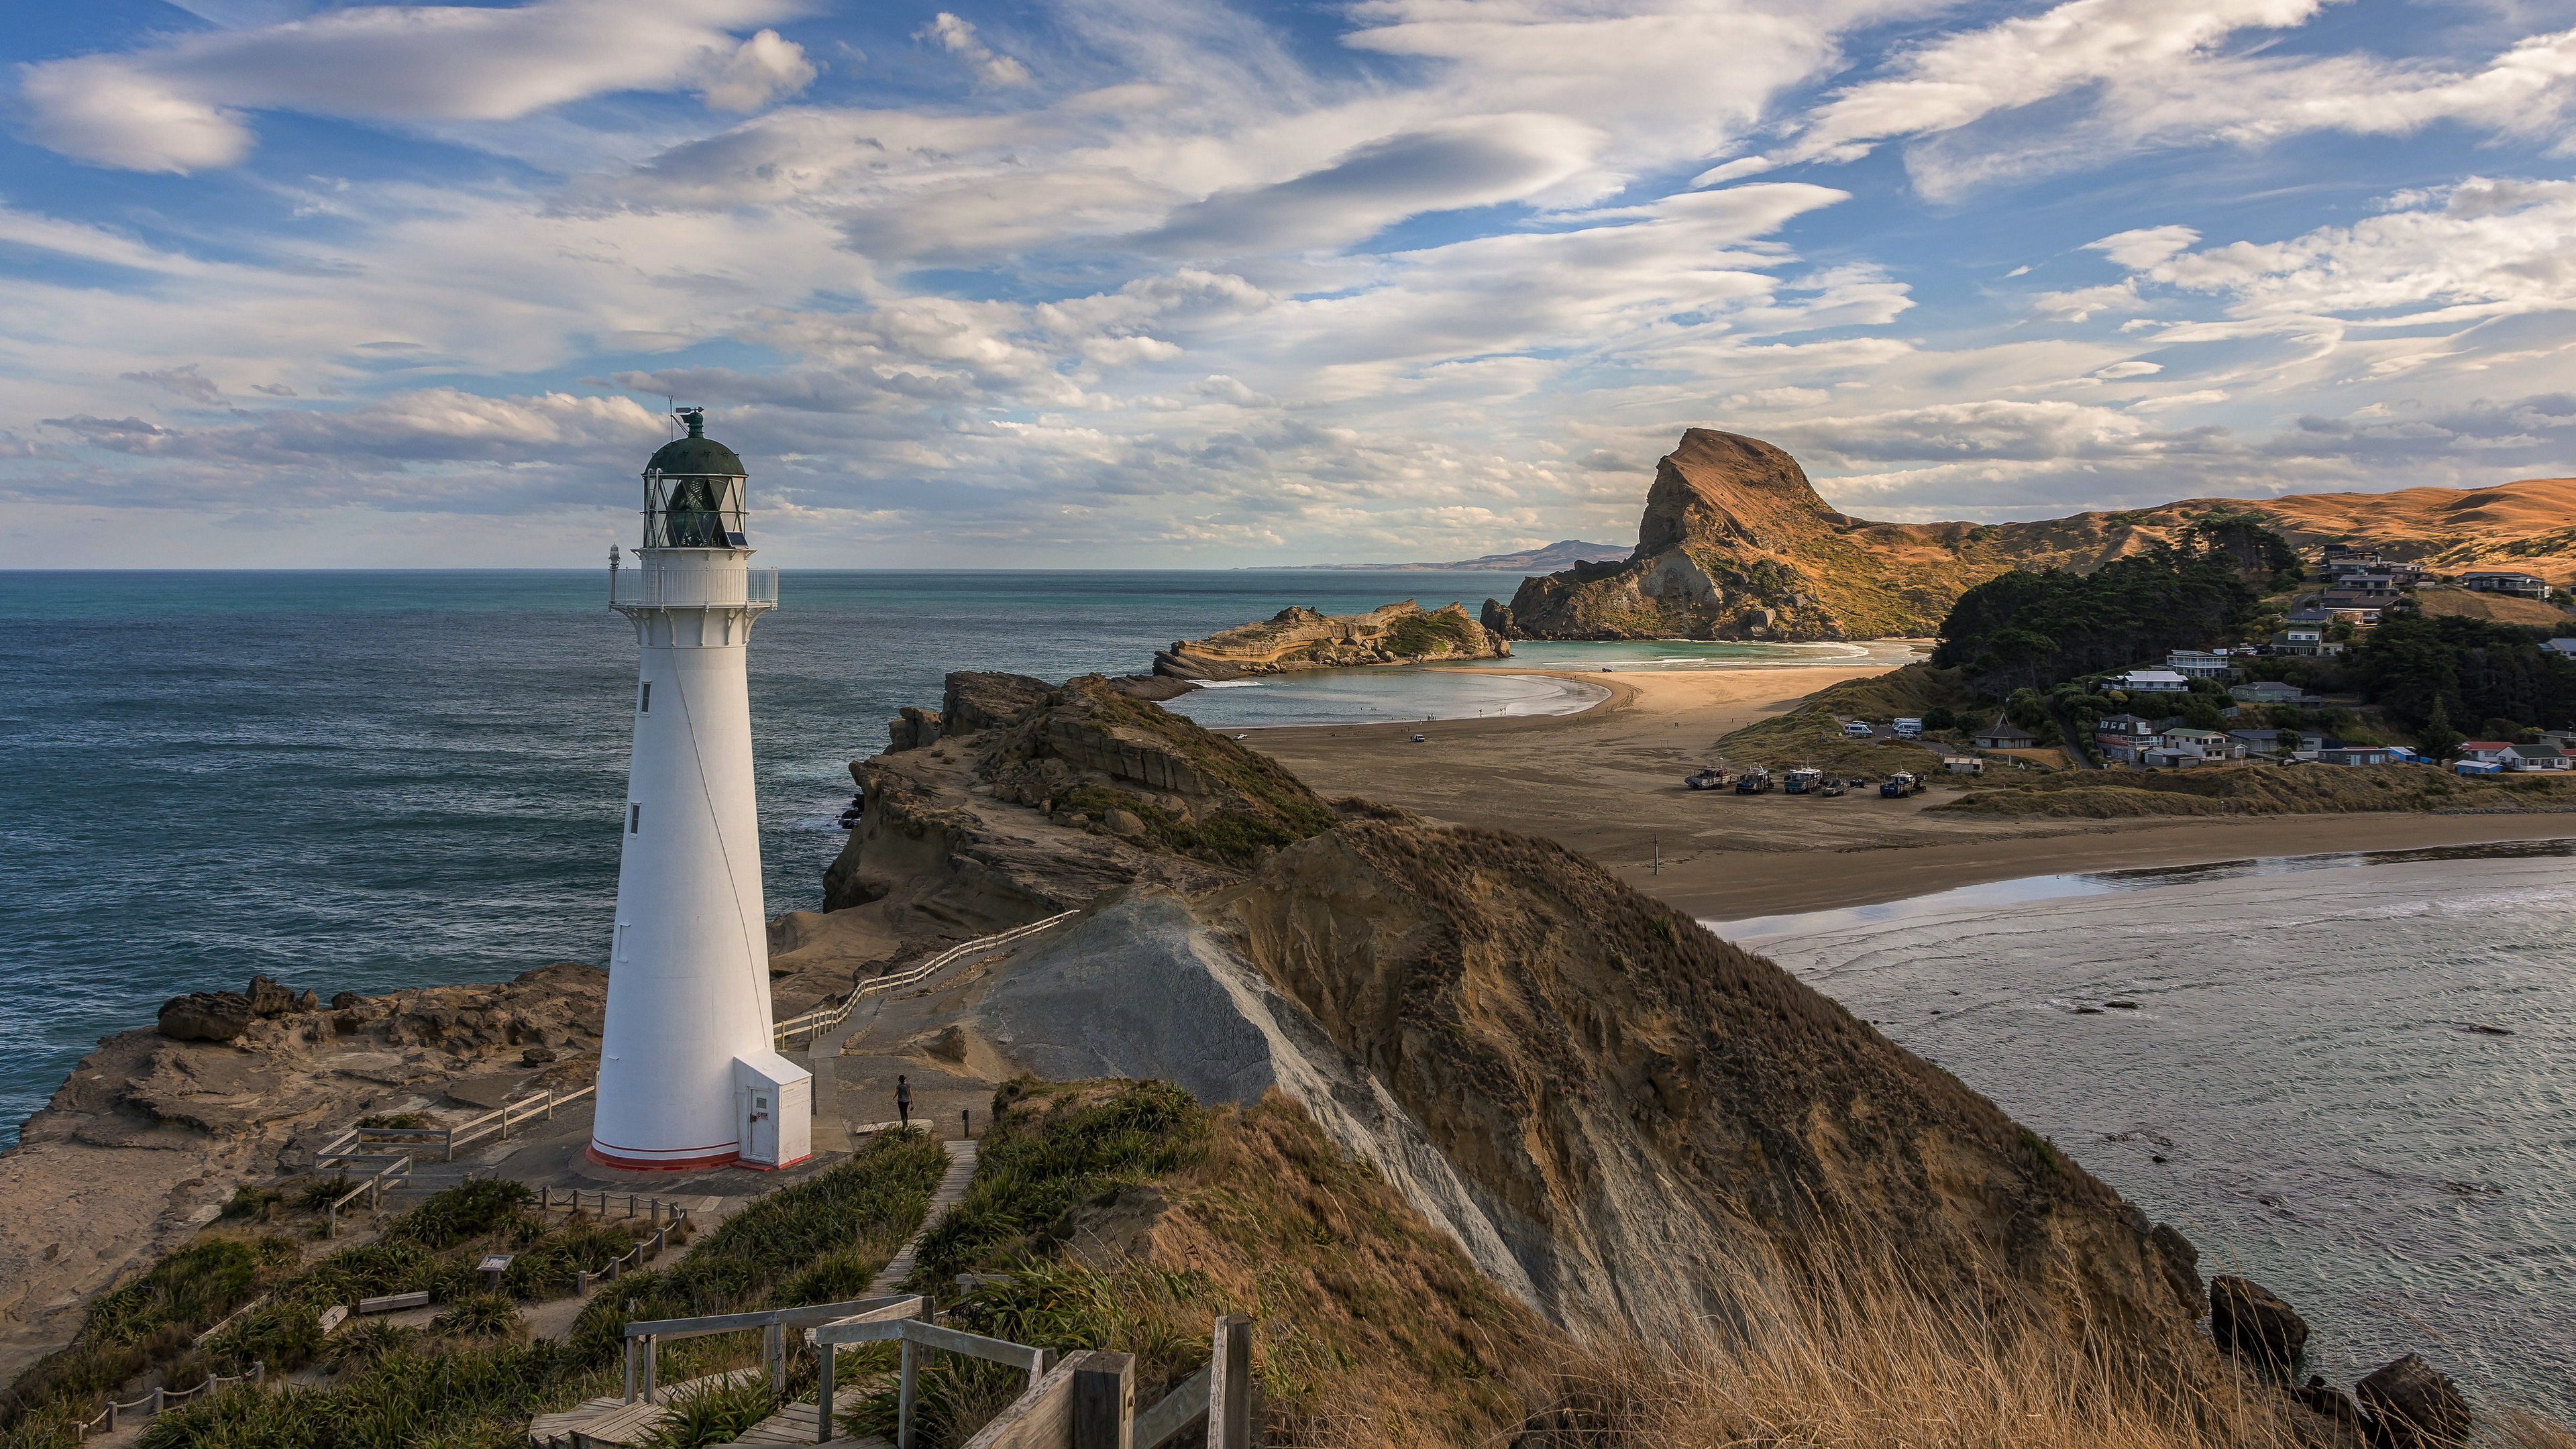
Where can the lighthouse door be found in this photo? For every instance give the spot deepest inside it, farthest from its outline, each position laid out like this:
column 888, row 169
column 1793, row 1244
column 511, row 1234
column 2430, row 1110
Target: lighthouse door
column 760, row 1132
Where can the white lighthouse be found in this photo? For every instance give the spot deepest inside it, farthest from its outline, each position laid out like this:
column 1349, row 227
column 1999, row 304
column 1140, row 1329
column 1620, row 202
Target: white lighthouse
column 688, row 1073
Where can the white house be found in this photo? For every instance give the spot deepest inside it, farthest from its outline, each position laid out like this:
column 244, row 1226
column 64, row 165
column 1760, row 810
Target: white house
column 2563, row 646
column 2486, row 752
column 2153, row 681
column 2536, row 757
column 2197, row 663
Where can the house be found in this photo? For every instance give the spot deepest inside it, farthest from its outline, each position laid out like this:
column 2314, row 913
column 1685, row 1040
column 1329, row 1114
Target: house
column 2563, row 646
column 2486, row 752
column 2153, row 681
column 2210, row 743
column 2318, row 618
column 2500, row 581
column 2197, row 664
column 2170, row 757
column 2005, row 735
column 1963, row 764
column 2258, row 742
column 2303, row 639
column 2475, row 767
column 2269, row 691
column 2355, row 755
column 2536, row 757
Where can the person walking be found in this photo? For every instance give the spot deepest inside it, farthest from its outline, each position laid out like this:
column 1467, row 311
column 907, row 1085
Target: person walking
column 903, row 1101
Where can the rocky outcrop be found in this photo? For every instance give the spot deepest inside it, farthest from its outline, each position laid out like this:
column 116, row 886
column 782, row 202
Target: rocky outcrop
column 2415, row 1407
column 2255, row 1324
column 1036, row 798
column 151, row 1132
column 1301, row 638
column 206, row 1016
column 1735, row 543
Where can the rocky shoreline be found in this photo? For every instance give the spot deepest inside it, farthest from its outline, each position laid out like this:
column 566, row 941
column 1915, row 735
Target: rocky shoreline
column 148, row 1137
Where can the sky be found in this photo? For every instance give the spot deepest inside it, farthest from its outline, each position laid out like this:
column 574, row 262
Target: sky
column 1190, row 284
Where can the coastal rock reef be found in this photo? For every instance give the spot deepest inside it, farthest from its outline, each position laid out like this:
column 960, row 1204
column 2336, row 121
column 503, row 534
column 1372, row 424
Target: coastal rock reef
column 1735, row 543
column 1301, row 638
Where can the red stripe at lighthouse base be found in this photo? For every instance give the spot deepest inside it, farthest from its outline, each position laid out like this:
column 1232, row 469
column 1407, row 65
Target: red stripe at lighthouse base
column 775, row 1166
column 724, row 1157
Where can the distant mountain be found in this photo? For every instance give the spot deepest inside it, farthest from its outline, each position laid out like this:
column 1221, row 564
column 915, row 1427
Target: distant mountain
column 1563, row 554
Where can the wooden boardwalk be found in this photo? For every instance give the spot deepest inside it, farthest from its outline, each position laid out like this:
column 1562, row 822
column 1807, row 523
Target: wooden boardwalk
column 612, row 1420
column 951, row 1191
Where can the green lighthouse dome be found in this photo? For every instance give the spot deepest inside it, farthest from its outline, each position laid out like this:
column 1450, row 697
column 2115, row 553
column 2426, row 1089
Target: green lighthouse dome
column 696, row 453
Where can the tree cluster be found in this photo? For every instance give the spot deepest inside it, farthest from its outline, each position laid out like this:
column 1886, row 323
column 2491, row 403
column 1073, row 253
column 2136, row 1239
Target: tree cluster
column 2437, row 675
column 2035, row 630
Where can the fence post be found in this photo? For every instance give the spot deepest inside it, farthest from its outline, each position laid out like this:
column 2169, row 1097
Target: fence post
column 630, row 1364
column 1104, row 1402
column 111, row 1416
column 156, row 1403
column 903, row 1396
column 828, row 1353
column 259, row 1371
column 1229, row 1421
column 652, row 1368
column 448, row 1134
column 581, row 1282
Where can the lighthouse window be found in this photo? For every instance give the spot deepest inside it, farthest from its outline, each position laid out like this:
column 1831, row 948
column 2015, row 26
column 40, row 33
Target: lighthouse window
column 634, row 819
column 644, row 699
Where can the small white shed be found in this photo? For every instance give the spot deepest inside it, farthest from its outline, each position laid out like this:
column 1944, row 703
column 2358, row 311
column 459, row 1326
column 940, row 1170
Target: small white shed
column 774, row 1101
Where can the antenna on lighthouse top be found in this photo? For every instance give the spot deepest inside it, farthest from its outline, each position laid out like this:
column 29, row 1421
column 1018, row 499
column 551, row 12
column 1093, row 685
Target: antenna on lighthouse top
column 696, row 418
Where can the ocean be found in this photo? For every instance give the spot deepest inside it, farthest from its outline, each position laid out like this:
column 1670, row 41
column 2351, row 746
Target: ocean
column 356, row 781
column 2350, row 1077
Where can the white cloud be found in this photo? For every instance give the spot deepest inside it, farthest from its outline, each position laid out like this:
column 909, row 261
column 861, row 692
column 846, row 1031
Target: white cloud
column 2142, row 73
column 179, row 106
column 1466, row 161
column 958, row 38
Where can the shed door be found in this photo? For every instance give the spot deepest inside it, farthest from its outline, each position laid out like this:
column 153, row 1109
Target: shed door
column 760, row 1137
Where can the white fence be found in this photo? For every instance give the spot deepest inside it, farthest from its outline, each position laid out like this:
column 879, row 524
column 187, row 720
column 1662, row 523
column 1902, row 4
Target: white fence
column 823, row 1018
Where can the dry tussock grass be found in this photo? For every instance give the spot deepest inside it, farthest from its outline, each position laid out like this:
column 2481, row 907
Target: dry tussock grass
column 1373, row 1330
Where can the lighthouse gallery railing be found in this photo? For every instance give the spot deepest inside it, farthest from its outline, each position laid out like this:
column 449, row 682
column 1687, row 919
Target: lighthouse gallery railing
column 692, row 589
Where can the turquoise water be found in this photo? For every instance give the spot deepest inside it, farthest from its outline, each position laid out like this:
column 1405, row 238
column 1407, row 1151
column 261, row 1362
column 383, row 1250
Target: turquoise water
column 362, row 780
column 2351, row 1077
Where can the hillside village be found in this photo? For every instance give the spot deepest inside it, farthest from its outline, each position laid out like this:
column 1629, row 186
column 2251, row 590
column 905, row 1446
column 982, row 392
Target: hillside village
column 2281, row 691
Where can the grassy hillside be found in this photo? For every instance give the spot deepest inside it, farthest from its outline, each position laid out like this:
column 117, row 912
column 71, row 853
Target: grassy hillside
column 2502, row 608
column 472, row 1379
column 1812, row 734
column 2261, row 790
column 1129, row 1218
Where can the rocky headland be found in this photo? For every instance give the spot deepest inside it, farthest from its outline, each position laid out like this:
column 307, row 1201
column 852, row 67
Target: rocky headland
column 150, row 1135
column 1301, row 638
column 1735, row 543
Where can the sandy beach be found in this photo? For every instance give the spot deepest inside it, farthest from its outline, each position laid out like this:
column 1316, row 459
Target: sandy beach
column 1607, row 782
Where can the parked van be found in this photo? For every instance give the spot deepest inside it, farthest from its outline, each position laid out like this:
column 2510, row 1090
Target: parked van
column 1858, row 729
column 1908, row 727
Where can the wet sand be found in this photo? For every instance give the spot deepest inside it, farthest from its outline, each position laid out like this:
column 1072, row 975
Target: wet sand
column 1607, row 782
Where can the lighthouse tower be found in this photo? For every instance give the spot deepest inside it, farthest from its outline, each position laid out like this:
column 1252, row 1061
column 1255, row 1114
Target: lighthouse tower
column 688, row 1074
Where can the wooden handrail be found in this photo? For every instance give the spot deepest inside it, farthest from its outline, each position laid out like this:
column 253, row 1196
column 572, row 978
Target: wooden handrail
column 160, row 1400
column 823, row 1018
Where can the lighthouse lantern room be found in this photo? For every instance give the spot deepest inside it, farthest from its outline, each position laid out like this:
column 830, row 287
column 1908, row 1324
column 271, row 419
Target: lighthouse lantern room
column 688, row 1073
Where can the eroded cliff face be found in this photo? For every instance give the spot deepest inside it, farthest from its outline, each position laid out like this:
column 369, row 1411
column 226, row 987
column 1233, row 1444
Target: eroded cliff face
column 1736, row 544
column 1637, row 1109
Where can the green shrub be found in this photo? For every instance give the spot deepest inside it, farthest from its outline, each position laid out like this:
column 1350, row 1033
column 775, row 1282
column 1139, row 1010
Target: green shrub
column 479, row 1315
column 716, row 1414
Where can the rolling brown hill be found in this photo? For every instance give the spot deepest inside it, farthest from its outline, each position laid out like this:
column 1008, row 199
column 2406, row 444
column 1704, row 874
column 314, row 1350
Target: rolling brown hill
column 1735, row 543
